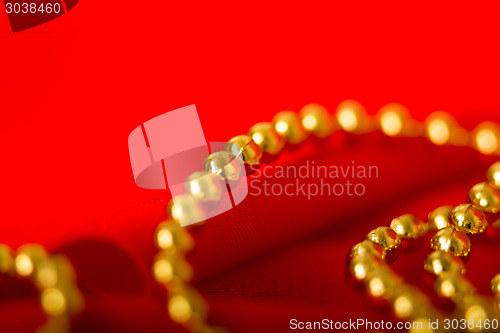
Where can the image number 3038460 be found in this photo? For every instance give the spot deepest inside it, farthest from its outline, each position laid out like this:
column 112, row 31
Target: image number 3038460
column 26, row 14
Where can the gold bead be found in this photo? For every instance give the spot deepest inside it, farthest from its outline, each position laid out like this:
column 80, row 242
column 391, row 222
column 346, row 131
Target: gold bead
column 439, row 262
column 469, row 219
column 55, row 271
column 6, row 259
column 169, row 268
column 288, row 125
column 185, row 305
column 408, row 227
column 171, row 238
column 486, row 138
column 386, row 237
column 223, row 164
column 316, row 120
column 476, row 311
column 408, row 302
column 493, row 174
column 361, row 266
column 382, row 283
column 451, row 240
column 439, row 218
column 441, row 128
column 352, row 116
column 28, row 259
column 367, row 247
column 204, row 186
column 485, row 197
column 244, row 147
column 185, row 209
column 495, row 285
column 438, row 128
column 266, row 137
column 453, row 286
column 394, row 119
column 53, row 301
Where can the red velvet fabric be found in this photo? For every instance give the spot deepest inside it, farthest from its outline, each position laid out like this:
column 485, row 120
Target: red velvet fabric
column 274, row 258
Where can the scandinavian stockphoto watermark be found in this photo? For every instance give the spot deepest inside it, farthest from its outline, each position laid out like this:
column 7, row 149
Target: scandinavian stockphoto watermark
column 311, row 179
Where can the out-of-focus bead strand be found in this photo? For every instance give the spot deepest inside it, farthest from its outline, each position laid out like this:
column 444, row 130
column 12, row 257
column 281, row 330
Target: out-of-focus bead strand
column 54, row 278
column 384, row 243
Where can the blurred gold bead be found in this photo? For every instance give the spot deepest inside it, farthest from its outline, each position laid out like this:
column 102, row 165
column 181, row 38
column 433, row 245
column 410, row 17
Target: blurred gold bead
column 408, row 227
column 386, row 237
column 223, row 164
column 54, row 271
column 403, row 306
column 451, row 240
column 53, row 301
column 382, row 283
column 367, row 247
column 352, row 116
column 439, row 218
column 170, row 268
column 453, row 286
column 6, row 259
column 361, row 266
column 485, row 197
column 204, row 186
column 185, row 209
column 28, row 258
column 493, row 174
column 316, row 120
column 486, row 138
column 476, row 311
column 439, row 262
column 288, row 125
column 244, row 147
column 171, row 238
column 469, row 219
column 394, row 119
column 495, row 285
column 407, row 302
column 267, row 138
column 440, row 127
column 185, row 304
column 179, row 309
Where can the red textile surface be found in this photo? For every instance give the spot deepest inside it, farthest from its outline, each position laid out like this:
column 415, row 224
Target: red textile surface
column 73, row 89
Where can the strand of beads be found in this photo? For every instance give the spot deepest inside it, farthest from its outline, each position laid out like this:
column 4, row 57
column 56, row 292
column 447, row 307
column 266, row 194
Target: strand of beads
column 450, row 242
column 170, row 267
column 54, row 278
column 369, row 265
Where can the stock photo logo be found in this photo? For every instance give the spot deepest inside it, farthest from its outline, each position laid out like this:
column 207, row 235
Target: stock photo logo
column 170, row 152
column 26, row 14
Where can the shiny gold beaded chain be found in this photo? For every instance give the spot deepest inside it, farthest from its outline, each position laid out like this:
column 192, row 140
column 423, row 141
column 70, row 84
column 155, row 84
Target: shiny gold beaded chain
column 170, row 268
column 54, row 278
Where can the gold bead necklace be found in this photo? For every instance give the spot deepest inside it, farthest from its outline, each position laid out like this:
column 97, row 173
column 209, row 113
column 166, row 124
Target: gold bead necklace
column 368, row 259
column 54, row 278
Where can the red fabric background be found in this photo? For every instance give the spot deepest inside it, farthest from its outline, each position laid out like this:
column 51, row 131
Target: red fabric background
column 73, row 89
